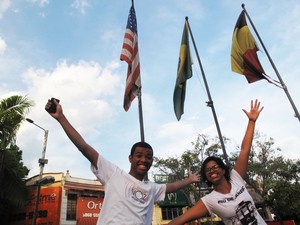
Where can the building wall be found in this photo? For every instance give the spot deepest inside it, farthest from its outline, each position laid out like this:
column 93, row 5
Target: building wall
column 63, row 211
column 157, row 216
column 86, row 191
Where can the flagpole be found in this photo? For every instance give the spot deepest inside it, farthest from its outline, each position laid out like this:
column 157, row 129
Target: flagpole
column 210, row 102
column 139, row 93
column 273, row 65
column 140, row 108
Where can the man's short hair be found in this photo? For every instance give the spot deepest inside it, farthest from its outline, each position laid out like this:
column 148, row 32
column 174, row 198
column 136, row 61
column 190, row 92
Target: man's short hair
column 140, row 144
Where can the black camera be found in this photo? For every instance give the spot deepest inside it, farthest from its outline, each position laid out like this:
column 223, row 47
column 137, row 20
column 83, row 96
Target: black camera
column 52, row 108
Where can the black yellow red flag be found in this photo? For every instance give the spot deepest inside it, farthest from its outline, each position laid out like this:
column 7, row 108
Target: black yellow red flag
column 244, row 59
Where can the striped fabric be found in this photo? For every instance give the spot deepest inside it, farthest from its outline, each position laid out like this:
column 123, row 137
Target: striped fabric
column 130, row 54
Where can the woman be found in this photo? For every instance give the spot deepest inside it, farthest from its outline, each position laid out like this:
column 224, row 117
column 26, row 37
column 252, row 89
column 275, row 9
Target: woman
column 230, row 199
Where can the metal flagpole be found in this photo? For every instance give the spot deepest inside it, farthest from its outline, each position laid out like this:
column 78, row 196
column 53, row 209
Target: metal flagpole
column 210, row 102
column 141, row 122
column 139, row 94
column 141, row 115
column 273, row 65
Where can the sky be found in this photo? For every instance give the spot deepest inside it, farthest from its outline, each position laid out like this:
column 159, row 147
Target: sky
column 71, row 49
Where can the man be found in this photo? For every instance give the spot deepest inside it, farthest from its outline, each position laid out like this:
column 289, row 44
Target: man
column 128, row 198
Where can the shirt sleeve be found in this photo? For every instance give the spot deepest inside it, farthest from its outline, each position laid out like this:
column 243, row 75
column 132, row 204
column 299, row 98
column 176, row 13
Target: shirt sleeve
column 105, row 169
column 160, row 192
column 236, row 177
column 207, row 199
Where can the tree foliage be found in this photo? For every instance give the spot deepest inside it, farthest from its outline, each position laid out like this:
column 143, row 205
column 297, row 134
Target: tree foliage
column 177, row 167
column 13, row 191
column 273, row 177
column 278, row 178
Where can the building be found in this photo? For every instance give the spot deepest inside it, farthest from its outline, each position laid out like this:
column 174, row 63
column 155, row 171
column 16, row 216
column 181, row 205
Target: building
column 67, row 201
column 77, row 201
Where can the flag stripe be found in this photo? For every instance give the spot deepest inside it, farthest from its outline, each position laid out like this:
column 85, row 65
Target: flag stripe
column 130, row 55
column 244, row 59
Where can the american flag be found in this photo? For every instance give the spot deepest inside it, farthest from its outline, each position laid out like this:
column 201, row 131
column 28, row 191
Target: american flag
column 130, row 54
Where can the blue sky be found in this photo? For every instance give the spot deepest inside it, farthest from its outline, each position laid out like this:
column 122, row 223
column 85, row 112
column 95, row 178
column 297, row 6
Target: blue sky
column 70, row 50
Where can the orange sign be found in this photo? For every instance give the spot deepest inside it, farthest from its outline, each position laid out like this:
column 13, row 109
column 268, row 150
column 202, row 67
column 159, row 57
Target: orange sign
column 88, row 210
column 48, row 208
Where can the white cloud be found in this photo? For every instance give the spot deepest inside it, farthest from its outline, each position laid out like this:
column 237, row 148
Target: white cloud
column 85, row 90
column 81, row 5
column 2, row 46
column 41, row 3
column 174, row 129
column 4, row 5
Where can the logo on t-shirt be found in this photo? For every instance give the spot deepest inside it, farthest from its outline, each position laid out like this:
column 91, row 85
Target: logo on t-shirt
column 246, row 213
column 225, row 200
column 137, row 193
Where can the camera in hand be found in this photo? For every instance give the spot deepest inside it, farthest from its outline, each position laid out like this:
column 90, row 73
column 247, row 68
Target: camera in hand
column 52, row 108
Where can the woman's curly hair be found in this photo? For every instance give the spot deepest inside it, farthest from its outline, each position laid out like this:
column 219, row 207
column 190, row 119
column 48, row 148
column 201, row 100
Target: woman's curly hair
column 220, row 162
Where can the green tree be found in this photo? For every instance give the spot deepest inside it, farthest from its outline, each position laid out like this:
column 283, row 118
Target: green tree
column 177, row 167
column 273, row 177
column 284, row 198
column 13, row 191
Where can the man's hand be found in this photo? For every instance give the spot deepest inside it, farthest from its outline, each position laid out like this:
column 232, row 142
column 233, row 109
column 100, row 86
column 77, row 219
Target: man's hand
column 194, row 177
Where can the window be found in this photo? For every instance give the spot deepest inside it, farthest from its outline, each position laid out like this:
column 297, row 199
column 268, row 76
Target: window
column 71, row 207
column 171, row 212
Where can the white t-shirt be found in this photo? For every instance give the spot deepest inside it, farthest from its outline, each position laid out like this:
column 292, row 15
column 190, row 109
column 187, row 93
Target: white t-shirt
column 127, row 201
column 236, row 207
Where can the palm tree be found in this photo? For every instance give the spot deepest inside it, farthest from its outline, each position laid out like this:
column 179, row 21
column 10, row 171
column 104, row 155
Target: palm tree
column 13, row 191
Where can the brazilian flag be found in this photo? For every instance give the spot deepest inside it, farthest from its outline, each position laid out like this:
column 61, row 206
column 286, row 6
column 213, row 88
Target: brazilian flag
column 184, row 72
